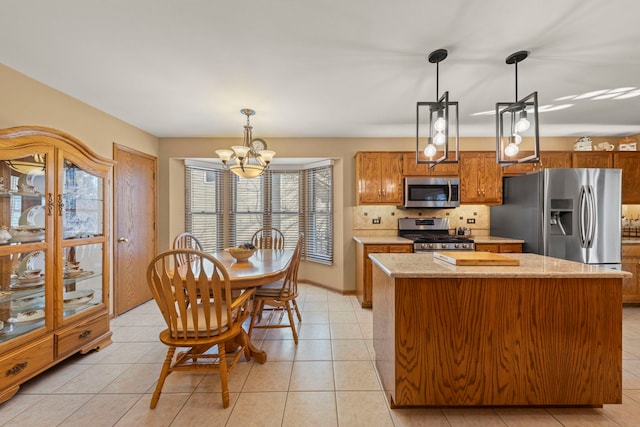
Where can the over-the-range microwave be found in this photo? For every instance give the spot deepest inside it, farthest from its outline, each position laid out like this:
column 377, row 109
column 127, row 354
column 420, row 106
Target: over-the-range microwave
column 431, row 192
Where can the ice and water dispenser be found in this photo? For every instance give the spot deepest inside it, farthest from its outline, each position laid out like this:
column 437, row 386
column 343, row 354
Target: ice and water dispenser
column 561, row 217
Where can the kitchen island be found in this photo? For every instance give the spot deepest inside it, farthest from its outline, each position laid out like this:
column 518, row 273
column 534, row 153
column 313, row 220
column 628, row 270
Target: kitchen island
column 545, row 333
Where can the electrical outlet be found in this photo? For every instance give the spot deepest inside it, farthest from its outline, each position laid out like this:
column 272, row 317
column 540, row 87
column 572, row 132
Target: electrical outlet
column 471, row 220
column 375, row 220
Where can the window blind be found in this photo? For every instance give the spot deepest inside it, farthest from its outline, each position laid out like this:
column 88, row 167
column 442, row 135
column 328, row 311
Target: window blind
column 224, row 210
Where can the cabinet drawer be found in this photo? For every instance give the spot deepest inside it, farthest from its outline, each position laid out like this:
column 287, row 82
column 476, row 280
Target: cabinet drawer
column 630, row 250
column 72, row 339
column 375, row 249
column 487, row 247
column 400, row 248
column 511, row 247
column 20, row 365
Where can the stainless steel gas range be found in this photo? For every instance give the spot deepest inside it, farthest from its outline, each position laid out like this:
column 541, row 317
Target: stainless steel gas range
column 431, row 234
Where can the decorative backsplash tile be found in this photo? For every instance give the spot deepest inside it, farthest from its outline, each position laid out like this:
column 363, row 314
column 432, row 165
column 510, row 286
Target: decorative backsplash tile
column 364, row 217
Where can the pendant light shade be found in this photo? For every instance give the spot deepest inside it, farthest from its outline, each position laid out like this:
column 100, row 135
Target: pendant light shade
column 437, row 124
column 517, row 136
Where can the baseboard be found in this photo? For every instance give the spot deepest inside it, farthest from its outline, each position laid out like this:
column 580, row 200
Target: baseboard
column 329, row 288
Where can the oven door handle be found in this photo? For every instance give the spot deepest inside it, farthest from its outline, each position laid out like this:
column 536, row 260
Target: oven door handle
column 449, row 195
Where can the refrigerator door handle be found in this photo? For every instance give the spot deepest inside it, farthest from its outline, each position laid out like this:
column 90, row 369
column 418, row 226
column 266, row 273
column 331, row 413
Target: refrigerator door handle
column 592, row 216
column 583, row 216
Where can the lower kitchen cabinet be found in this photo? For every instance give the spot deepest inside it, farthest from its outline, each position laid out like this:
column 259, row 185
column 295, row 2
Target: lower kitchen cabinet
column 364, row 268
column 631, row 263
column 499, row 247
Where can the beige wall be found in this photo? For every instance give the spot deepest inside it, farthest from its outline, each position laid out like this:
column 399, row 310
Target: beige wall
column 25, row 102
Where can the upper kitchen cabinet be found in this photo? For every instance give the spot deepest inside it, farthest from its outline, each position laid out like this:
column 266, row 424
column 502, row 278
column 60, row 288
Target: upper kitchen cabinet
column 629, row 162
column 592, row 159
column 54, row 252
column 548, row 159
column 481, row 178
column 411, row 168
column 379, row 178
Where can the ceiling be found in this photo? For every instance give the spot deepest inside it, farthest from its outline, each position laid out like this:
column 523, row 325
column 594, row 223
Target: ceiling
column 330, row 68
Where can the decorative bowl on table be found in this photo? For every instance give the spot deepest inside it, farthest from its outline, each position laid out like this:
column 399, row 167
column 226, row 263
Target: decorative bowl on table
column 243, row 252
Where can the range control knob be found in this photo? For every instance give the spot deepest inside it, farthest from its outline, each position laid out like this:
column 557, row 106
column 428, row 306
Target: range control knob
column 457, row 245
column 443, row 246
column 430, row 245
column 465, row 246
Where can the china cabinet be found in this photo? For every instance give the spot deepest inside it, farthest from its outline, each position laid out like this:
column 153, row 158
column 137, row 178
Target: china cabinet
column 54, row 252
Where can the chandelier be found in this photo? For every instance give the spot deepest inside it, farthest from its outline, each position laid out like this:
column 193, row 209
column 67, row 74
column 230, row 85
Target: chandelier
column 252, row 157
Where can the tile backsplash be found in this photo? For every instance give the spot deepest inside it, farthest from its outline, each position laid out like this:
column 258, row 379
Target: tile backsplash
column 364, row 217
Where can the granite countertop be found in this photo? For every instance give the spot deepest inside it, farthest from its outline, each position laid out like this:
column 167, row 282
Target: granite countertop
column 495, row 240
column 394, row 240
column 531, row 265
column 382, row 240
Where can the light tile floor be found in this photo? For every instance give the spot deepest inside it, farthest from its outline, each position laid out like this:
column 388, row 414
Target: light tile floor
column 328, row 379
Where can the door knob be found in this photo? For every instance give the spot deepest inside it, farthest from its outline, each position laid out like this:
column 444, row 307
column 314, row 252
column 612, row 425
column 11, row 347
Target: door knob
column 123, row 240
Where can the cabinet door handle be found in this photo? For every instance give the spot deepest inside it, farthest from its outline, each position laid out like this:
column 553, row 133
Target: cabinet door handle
column 50, row 204
column 85, row 334
column 123, row 240
column 17, row 368
column 60, row 205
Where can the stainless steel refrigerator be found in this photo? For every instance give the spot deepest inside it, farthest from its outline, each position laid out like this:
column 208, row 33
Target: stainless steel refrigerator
column 572, row 214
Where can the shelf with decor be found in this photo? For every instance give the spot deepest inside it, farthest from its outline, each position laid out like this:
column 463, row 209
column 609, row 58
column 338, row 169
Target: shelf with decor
column 54, row 252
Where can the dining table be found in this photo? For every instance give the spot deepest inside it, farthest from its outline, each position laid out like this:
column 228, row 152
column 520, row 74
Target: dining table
column 263, row 267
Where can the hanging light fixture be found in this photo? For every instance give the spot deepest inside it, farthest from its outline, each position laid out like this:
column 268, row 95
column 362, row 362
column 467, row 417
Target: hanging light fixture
column 517, row 139
column 441, row 120
column 252, row 157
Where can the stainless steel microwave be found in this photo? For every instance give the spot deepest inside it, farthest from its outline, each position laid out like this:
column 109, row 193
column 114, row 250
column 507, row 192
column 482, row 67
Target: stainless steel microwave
column 431, row 192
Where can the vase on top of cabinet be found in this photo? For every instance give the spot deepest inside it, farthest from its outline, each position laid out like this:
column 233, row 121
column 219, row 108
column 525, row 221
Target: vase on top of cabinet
column 54, row 251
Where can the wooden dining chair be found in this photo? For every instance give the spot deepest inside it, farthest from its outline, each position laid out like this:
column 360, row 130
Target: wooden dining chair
column 196, row 302
column 186, row 241
column 268, row 238
column 279, row 296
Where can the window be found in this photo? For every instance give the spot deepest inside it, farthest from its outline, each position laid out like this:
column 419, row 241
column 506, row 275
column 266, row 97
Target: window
column 224, row 210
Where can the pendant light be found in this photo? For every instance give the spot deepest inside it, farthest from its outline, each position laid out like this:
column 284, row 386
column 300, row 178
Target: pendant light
column 517, row 138
column 436, row 123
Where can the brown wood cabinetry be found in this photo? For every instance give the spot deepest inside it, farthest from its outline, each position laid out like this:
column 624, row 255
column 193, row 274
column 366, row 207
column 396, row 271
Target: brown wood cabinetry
column 555, row 159
column 631, row 263
column 411, row 168
column 548, row 159
column 379, row 178
column 498, row 341
column 629, row 162
column 592, row 159
column 481, row 178
column 57, row 186
column 499, row 247
column 364, row 267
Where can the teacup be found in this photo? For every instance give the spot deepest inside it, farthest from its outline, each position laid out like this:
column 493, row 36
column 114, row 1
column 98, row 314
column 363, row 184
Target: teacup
column 605, row 146
column 26, row 188
column 31, row 273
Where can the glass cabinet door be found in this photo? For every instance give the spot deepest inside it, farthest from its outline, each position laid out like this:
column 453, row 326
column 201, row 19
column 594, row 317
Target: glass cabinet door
column 23, row 213
column 83, row 239
column 82, row 278
column 82, row 202
column 22, row 293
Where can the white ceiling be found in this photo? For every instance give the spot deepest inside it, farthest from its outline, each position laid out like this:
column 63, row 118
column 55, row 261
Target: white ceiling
column 329, row 68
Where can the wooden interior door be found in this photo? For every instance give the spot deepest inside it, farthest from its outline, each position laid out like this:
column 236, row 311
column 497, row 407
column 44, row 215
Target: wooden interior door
column 135, row 216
